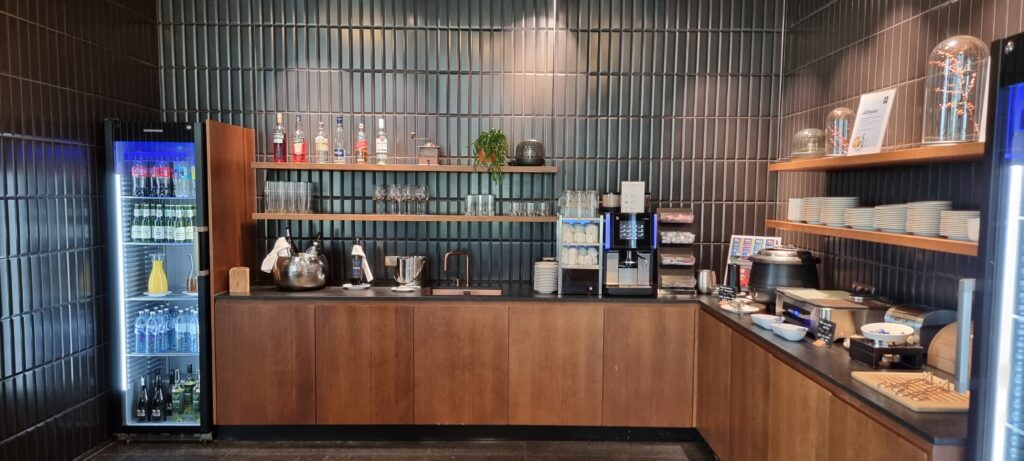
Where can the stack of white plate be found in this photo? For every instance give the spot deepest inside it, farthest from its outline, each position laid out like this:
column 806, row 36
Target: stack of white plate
column 923, row 217
column 545, row 276
column 891, row 218
column 795, row 210
column 953, row 224
column 860, row 218
column 811, row 210
column 833, row 210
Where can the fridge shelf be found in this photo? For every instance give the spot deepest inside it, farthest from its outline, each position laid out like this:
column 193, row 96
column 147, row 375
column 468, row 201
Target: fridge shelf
column 162, row 354
column 135, row 197
column 189, row 422
column 153, row 299
column 165, row 244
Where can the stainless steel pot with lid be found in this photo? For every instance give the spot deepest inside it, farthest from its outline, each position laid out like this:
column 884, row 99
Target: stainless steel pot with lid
column 781, row 266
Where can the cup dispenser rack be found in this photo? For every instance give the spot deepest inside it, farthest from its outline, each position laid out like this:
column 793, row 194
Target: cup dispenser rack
column 675, row 253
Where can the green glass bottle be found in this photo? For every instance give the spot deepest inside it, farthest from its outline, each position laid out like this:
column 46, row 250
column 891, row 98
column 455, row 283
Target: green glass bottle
column 178, row 397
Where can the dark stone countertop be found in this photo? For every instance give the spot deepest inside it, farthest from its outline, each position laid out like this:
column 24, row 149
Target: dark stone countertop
column 835, row 366
column 510, row 292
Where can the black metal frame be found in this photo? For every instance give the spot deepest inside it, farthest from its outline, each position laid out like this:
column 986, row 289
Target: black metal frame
column 1006, row 68
column 120, row 130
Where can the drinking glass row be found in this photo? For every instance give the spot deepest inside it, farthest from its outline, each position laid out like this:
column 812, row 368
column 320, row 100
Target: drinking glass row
column 400, row 198
column 288, row 197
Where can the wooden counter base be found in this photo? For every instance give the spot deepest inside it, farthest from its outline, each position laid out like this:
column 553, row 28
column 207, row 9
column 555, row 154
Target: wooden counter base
column 454, row 363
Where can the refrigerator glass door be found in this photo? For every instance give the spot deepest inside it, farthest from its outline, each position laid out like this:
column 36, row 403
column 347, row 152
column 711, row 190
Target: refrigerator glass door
column 157, row 297
column 1007, row 415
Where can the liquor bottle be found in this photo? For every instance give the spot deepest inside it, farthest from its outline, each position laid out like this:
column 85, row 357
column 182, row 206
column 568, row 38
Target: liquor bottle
column 168, row 401
column 280, row 136
column 145, row 227
column 136, row 232
column 357, row 264
column 142, row 403
column 317, row 247
column 186, row 397
column 291, row 243
column 362, row 146
column 381, row 144
column 178, row 396
column 339, row 141
column 169, row 223
column 196, row 397
column 156, row 412
column 299, row 142
column 179, row 226
column 158, row 224
column 321, row 145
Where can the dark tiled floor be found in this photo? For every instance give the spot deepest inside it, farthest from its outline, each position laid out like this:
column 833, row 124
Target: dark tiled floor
column 405, row 451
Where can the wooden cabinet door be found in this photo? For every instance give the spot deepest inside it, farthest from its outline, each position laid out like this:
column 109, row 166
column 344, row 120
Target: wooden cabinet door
column 649, row 365
column 748, row 412
column 798, row 416
column 713, row 396
column 555, row 359
column 461, row 364
column 264, row 354
column 853, row 436
column 364, row 364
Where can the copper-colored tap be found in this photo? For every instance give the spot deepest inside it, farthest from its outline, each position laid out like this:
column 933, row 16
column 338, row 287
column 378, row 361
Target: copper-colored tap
column 458, row 253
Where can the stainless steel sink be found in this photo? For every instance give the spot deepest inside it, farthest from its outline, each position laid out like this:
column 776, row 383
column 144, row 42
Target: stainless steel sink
column 465, row 291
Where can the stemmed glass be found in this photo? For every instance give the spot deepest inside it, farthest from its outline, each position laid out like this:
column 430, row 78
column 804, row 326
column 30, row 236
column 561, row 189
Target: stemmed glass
column 421, row 195
column 380, row 197
column 394, row 191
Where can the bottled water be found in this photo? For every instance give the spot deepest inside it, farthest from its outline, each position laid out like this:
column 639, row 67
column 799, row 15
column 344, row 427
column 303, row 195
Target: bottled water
column 140, row 331
column 170, row 334
column 152, row 333
column 181, row 329
column 193, row 332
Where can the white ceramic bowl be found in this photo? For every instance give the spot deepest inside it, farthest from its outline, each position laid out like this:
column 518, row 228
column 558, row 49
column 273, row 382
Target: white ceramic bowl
column 973, row 229
column 887, row 332
column 789, row 331
column 765, row 320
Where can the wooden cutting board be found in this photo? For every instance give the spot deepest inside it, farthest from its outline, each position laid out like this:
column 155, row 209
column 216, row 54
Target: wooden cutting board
column 935, row 401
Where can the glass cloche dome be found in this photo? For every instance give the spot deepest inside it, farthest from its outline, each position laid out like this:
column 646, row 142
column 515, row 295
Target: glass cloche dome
column 838, row 127
column 807, row 143
column 954, row 94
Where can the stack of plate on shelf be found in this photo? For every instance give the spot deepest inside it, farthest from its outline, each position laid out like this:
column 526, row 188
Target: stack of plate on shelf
column 860, row 218
column 545, row 276
column 923, row 217
column 953, row 224
column 891, row 218
column 795, row 210
column 811, row 210
column 833, row 210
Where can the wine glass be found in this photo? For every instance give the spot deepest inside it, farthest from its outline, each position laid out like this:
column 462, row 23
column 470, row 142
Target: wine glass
column 393, row 197
column 380, row 197
column 422, row 195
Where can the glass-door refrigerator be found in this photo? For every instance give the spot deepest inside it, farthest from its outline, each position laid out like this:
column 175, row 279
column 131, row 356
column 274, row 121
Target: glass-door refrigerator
column 158, row 268
column 997, row 371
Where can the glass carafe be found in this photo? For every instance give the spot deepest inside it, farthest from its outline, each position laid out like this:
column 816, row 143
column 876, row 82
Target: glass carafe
column 157, row 276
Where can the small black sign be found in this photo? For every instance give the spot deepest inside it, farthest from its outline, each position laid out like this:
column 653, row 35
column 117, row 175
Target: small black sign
column 826, row 331
column 726, row 292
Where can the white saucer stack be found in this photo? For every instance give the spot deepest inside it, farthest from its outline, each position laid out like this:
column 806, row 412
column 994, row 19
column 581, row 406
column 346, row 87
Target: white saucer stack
column 891, row 218
column 860, row 218
column 545, row 276
column 833, row 210
column 953, row 224
column 811, row 210
column 923, row 217
column 795, row 211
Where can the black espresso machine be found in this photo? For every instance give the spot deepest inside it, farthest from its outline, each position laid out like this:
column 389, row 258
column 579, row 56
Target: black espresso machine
column 630, row 241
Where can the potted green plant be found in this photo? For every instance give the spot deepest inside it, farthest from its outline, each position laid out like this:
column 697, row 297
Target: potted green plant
column 491, row 149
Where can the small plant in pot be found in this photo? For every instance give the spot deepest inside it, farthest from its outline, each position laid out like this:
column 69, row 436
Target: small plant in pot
column 491, row 149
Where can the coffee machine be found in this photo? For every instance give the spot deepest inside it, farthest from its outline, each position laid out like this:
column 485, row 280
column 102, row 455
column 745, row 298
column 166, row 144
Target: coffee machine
column 630, row 241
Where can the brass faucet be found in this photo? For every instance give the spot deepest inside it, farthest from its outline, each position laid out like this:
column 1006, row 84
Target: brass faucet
column 458, row 253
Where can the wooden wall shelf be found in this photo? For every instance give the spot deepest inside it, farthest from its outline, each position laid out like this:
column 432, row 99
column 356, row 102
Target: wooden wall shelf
column 547, row 169
column 916, row 156
column 399, row 217
column 905, row 240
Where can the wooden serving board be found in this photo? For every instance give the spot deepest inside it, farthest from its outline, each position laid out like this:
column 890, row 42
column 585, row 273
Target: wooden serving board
column 936, row 401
